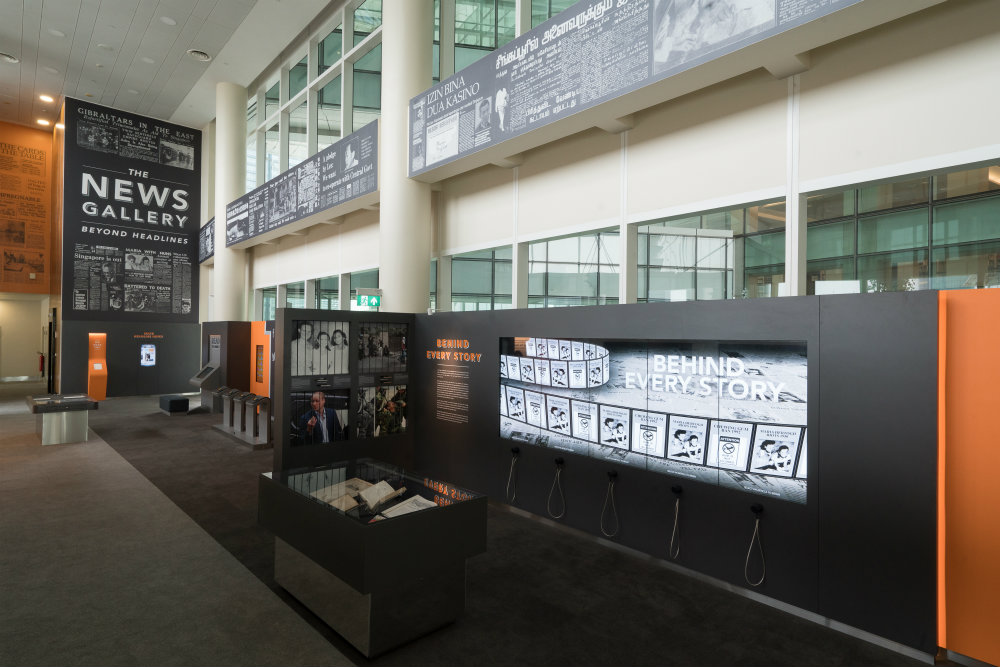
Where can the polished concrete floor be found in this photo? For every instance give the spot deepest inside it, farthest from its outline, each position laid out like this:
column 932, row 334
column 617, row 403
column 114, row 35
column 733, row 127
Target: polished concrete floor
column 141, row 546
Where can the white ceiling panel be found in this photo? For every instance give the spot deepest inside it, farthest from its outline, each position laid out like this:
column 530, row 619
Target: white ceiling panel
column 94, row 50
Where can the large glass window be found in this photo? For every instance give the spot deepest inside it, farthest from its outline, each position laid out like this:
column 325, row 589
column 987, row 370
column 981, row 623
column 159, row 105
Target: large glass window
column 367, row 87
column 482, row 280
column 295, row 295
column 327, row 293
column 543, row 10
column 272, row 100
column 328, row 120
column 480, row 27
column 330, row 49
column 940, row 232
column 574, row 271
column 720, row 255
column 363, row 279
column 251, row 173
column 269, row 302
column 298, row 147
column 298, row 76
column 272, row 158
column 367, row 17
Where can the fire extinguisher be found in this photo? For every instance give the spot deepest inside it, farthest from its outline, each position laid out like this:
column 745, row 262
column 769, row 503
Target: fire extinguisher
column 41, row 363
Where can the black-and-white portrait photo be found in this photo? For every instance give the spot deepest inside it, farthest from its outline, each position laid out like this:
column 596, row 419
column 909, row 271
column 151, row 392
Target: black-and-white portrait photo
column 484, row 111
column 350, row 157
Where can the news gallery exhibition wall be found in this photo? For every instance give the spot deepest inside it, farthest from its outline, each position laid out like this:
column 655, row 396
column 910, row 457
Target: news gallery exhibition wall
column 822, row 410
column 130, row 248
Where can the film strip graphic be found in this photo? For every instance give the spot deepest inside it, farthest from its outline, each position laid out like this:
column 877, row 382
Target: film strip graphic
column 554, row 362
column 768, row 449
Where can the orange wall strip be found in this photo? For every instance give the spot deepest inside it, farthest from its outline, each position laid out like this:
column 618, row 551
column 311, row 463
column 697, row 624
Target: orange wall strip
column 97, row 366
column 969, row 461
column 260, row 359
column 942, row 442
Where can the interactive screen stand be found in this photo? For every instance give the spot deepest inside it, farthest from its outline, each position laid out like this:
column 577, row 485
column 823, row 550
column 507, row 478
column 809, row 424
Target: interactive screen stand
column 208, row 380
column 97, row 367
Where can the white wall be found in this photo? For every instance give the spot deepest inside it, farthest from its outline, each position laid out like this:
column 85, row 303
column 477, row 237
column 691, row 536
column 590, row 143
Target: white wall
column 324, row 250
column 694, row 152
column 476, row 210
column 572, row 183
column 919, row 93
column 21, row 335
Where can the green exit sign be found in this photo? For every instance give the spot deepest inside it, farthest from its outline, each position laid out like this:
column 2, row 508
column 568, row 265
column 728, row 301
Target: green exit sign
column 372, row 301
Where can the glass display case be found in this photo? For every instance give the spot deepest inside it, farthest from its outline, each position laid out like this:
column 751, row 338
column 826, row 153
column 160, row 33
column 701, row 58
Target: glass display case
column 367, row 491
column 376, row 551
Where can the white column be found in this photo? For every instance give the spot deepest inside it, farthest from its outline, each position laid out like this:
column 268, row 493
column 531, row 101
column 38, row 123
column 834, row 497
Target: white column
column 628, row 273
column 230, row 176
column 344, row 291
column 519, row 275
column 446, row 32
column 444, row 284
column 310, row 294
column 405, row 226
column 795, row 210
column 523, row 13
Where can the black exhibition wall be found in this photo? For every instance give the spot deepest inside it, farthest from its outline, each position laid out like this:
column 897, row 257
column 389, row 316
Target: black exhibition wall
column 862, row 548
column 176, row 356
column 129, row 247
column 233, row 340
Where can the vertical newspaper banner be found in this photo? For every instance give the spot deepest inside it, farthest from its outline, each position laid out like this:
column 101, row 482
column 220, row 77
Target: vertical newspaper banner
column 130, row 217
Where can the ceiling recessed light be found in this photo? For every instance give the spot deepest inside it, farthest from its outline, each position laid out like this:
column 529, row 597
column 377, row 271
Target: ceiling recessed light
column 42, row 121
column 168, row 20
column 147, row 60
column 56, row 33
column 132, row 91
column 105, row 47
column 46, row 98
column 8, row 58
column 98, row 65
column 51, row 70
column 200, row 56
column 60, row 126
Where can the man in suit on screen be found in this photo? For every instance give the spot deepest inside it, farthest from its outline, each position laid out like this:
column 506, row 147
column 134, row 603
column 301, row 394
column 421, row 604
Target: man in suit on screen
column 320, row 423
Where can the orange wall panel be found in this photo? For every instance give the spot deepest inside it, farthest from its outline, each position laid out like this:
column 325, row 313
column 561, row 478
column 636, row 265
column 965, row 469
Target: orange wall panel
column 25, row 209
column 260, row 373
column 970, row 404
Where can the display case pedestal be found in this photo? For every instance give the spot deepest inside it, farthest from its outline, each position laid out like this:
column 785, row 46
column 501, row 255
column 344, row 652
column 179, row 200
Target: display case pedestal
column 372, row 622
column 379, row 579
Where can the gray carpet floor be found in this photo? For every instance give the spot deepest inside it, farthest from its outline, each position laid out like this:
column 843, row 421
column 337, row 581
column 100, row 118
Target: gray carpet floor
column 99, row 567
column 541, row 595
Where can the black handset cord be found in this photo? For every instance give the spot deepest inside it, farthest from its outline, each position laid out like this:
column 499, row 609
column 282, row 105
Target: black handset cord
column 760, row 548
column 511, row 494
column 556, row 483
column 610, row 499
column 674, row 553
